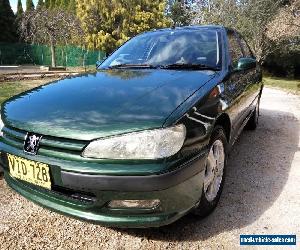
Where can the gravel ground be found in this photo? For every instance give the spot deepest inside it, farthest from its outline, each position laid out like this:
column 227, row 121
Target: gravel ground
column 261, row 196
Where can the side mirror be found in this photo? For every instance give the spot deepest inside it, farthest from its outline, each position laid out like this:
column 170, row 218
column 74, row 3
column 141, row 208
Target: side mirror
column 245, row 63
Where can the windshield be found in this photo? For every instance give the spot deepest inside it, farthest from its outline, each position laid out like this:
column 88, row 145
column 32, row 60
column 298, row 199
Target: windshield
column 169, row 47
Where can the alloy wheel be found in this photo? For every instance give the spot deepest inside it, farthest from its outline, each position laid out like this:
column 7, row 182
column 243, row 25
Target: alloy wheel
column 214, row 170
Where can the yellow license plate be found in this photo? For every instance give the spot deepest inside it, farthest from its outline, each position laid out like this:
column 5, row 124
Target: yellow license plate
column 34, row 172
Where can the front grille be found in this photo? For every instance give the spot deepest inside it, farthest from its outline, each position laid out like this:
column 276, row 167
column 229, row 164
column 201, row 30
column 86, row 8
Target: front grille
column 49, row 145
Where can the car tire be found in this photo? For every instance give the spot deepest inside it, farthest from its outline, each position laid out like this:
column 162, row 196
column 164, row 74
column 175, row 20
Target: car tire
column 253, row 121
column 210, row 198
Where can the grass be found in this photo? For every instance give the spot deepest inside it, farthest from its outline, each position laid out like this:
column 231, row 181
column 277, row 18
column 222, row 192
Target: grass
column 88, row 68
column 290, row 85
column 9, row 89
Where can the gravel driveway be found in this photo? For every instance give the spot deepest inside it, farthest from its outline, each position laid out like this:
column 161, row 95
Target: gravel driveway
column 261, row 196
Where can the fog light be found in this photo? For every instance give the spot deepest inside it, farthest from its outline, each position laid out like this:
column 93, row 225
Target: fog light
column 134, row 204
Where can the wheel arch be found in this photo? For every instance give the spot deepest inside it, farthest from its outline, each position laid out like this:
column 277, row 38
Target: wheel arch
column 223, row 120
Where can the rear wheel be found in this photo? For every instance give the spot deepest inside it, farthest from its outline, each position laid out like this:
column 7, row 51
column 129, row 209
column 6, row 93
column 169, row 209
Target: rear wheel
column 214, row 173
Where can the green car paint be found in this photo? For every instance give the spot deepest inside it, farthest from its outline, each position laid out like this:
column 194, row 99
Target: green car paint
column 74, row 106
column 170, row 210
column 70, row 113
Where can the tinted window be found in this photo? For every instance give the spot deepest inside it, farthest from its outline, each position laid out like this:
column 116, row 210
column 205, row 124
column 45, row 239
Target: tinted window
column 234, row 49
column 170, row 47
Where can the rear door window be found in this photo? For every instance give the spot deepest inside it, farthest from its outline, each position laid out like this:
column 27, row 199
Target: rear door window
column 235, row 50
column 246, row 48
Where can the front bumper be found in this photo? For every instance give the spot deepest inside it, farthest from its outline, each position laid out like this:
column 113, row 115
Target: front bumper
column 175, row 202
column 86, row 196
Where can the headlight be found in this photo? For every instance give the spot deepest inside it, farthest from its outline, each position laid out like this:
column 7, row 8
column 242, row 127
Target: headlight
column 148, row 144
column 1, row 125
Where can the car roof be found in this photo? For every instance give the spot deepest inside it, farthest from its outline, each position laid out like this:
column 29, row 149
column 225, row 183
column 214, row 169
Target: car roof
column 188, row 28
column 192, row 27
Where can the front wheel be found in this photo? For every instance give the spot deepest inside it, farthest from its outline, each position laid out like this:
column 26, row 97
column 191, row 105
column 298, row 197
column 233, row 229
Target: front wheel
column 214, row 173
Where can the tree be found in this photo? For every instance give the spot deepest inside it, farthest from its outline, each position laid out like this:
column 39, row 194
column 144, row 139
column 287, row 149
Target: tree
column 64, row 4
column 257, row 14
column 52, row 4
column 108, row 24
column 20, row 10
column 47, row 4
column 40, row 4
column 72, row 6
column 249, row 17
column 179, row 12
column 57, row 4
column 19, row 14
column 286, row 24
column 284, row 32
column 29, row 5
column 225, row 12
column 7, row 22
column 52, row 27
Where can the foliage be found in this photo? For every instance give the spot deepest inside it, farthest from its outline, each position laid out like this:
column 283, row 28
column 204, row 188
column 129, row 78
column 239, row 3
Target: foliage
column 7, row 22
column 63, row 5
column 256, row 16
column 179, row 12
column 285, row 62
column 40, row 4
column 72, row 6
column 20, row 10
column 47, row 4
column 286, row 24
column 51, row 27
column 52, row 4
column 250, row 17
column 108, row 24
column 57, row 4
column 29, row 5
column 19, row 14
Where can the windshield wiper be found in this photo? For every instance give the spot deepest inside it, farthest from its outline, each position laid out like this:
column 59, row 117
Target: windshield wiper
column 192, row 66
column 127, row 65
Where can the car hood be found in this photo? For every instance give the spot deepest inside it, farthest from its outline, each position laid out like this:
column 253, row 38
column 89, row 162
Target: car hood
column 105, row 103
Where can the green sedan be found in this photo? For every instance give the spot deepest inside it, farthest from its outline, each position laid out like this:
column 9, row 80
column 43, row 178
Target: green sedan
column 144, row 140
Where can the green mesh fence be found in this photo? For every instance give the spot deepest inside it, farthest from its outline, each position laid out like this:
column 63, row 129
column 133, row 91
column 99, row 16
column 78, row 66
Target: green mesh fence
column 16, row 54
